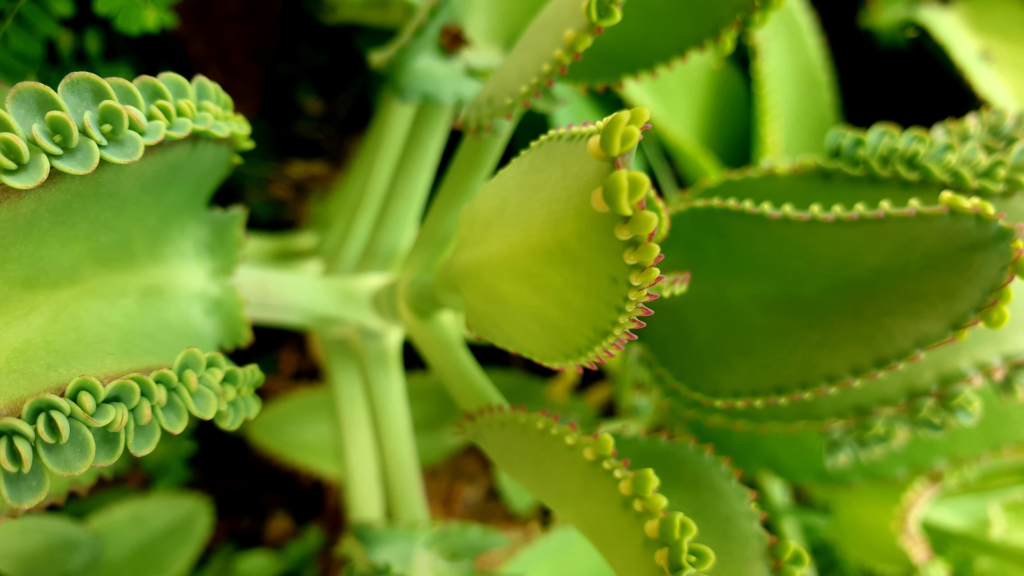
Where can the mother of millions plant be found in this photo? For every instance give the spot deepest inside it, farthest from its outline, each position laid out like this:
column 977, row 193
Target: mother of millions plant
column 839, row 312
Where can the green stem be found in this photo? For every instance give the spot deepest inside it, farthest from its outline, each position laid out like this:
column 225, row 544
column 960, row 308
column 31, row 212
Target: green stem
column 438, row 337
column 663, row 174
column 354, row 205
column 385, row 373
column 473, row 163
column 293, row 247
column 363, row 484
column 778, row 500
column 302, row 300
column 436, row 331
column 396, row 229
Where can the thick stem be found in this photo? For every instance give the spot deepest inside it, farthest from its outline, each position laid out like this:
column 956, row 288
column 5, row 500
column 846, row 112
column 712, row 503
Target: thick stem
column 363, row 483
column 439, row 339
column 474, row 161
column 396, row 229
column 385, row 374
column 361, row 195
column 305, row 300
column 778, row 500
column 293, row 248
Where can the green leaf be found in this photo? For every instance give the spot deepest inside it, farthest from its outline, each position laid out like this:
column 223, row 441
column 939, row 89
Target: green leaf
column 563, row 551
column 863, row 521
column 578, row 477
column 980, row 354
column 24, row 489
column 301, row 429
column 705, row 488
column 499, row 23
column 121, row 308
column 546, row 49
column 701, row 110
column 161, row 534
column 980, row 37
column 655, row 32
column 445, row 549
column 48, row 545
column 785, row 302
column 545, row 263
column 516, row 498
column 796, row 96
column 127, row 297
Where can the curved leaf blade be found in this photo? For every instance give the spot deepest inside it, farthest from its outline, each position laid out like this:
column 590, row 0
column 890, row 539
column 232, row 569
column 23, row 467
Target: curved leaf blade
column 582, row 481
column 542, row 265
column 796, row 95
column 783, row 302
column 655, row 32
column 160, row 534
column 48, row 545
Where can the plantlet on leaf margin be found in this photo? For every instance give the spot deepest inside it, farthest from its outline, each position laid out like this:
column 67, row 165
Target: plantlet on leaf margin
column 125, row 296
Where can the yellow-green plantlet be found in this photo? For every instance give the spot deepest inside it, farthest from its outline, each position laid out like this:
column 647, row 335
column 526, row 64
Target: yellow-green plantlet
column 114, row 264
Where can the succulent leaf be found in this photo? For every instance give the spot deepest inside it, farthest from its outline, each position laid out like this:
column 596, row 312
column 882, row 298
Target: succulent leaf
column 499, row 24
column 870, row 287
column 705, row 488
column 563, row 551
column 127, row 298
column 92, row 424
column 655, row 32
column 161, row 534
column 582, row 480
column 554, row 40
column 965, row 361
column 796, row 97
column 300, row 430
column 561, row 211
column 979, row 36
column 48, row 545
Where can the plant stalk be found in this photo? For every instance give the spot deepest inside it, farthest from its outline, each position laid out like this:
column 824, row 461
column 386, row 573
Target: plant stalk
column 304, row 300
column 381, row 354
column 396, row 229
column 440, row 341
column 355, row 204
column 363, row 484
column 474, row 162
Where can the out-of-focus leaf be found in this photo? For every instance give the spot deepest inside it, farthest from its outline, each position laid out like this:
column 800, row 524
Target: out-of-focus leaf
column 47, row 545
column 160, row 534
column 561, row 552
column 796, row 98
column 517, row 498
column 701, row 111
column 981, row 37
column 447, row 549
column 374, row 13
column 300, row 430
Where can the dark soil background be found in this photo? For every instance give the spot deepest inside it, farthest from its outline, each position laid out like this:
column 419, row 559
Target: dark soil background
column 308, row 93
